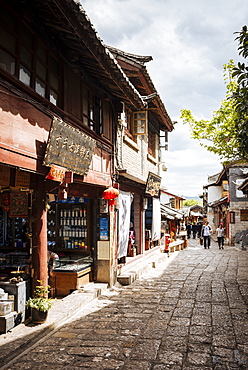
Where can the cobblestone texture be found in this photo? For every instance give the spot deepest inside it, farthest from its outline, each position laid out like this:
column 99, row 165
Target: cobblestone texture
column 191, row 315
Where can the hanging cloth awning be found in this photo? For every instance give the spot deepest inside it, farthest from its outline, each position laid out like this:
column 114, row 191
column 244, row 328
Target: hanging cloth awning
column 156, row 220
column 170, row 213
column 124, row 201
column 196, row 214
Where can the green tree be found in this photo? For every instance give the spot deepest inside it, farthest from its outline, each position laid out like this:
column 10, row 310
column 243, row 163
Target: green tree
column 226, row 134
column 240, row 97
column 191, row 202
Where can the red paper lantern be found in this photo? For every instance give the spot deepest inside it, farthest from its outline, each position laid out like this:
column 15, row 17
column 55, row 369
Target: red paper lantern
column 112, row 202
column 110, row 194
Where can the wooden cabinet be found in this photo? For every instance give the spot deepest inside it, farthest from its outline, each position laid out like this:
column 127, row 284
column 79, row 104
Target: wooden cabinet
column 69, row 274
column 67, row 226
column 67, row 282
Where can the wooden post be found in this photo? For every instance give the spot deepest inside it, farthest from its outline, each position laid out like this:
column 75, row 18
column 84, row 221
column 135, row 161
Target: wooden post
column 39, row 252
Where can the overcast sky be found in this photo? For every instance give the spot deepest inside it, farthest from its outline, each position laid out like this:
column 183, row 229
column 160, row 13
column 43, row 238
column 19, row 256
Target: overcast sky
column 189, row 42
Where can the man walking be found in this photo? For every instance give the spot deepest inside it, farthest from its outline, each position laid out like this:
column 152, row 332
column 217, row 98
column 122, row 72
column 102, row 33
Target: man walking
column 206, row 232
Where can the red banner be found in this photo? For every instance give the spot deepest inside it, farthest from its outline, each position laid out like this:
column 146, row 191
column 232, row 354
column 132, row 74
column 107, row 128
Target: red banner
column 56, row 173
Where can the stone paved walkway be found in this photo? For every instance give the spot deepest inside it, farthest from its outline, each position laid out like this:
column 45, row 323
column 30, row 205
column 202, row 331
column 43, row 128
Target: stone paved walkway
column 191, row 315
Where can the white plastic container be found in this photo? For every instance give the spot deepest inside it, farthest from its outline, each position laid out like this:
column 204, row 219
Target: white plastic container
column 3, row 295
column 5, row 307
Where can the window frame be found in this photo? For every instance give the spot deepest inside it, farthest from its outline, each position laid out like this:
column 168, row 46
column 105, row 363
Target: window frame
column 49, row 74
column 19, row 61
column 243, row 215
column 143, row 125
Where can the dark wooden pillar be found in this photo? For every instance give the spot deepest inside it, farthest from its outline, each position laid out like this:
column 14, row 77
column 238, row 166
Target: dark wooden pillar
column 39, row 253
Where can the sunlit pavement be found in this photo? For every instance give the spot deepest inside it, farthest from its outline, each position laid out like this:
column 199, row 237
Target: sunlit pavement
column 191, row 314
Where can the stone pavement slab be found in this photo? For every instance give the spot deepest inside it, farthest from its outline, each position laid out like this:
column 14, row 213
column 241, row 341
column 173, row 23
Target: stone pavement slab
column 23, row 336
column 190, row 314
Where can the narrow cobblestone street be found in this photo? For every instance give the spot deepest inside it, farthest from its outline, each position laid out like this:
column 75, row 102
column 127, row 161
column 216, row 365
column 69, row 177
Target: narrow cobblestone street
column 191, row 315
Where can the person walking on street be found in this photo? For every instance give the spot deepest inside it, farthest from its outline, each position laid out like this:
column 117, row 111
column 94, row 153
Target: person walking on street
column 188, row 228
column 206, row 232
column 220, row 236
column 199, row 227
column 194, row 230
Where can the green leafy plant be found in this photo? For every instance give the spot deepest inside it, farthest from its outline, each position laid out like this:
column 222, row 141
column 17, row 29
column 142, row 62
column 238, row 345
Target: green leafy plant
column 40, row 300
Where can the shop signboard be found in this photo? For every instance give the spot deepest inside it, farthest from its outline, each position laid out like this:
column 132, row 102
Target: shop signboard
column 232, row 217
column 56, row 173
column 104, row 228
column 69, row 147
column 153, row 184
column 71, row 200
column 243, row 215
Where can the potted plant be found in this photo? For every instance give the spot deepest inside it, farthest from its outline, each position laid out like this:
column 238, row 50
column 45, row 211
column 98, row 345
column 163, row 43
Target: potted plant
column 40, row 304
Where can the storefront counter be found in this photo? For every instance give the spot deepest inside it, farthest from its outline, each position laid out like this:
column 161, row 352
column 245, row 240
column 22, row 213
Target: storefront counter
column 69, row 274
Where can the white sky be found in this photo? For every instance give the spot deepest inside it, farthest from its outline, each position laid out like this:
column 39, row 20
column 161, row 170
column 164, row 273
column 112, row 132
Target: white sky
column 189, row 42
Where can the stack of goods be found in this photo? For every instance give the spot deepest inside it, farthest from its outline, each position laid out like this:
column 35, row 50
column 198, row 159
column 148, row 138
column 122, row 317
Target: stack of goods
column 7, row 313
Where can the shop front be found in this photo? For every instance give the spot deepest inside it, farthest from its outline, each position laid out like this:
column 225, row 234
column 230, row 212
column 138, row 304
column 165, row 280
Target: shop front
column 74, row 210
column 139, row 218
column 130, row 215
column 15, row 239
column 59, row 107
column 57, row 212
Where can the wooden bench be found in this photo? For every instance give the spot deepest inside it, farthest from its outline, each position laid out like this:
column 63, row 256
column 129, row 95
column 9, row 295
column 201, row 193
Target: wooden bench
column 177, row 245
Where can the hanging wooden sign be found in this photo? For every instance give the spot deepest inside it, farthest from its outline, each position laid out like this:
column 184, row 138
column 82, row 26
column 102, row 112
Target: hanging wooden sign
column 153, row 184
column 69, row 147
column 232, row 217
column 56, row 173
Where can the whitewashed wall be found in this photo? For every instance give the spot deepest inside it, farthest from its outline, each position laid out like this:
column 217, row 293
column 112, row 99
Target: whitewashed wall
column 214, row 193
column 133, row 156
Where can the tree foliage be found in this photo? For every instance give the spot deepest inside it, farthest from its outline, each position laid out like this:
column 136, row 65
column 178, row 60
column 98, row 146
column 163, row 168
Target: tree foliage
column 191, row 202
column 226, row 133
column 240, row 97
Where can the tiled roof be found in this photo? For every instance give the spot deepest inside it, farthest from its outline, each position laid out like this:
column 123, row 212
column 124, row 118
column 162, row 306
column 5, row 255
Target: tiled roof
column 79, row 42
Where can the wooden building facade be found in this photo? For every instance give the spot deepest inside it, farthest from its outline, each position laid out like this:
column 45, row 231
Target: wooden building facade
column 61, row 93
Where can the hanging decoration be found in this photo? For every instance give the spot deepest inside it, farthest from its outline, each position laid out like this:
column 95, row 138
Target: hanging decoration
column 110, row 194
column 56, row 173
column 18, row 205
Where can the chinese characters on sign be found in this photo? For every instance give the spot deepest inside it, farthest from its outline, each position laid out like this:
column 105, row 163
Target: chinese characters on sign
column 153, row 184
column 232, row 217
column 56, row 173
column 70, row 148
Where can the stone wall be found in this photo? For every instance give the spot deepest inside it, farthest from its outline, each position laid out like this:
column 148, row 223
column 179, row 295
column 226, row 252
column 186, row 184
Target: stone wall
column 136, row 160
column 238, row 225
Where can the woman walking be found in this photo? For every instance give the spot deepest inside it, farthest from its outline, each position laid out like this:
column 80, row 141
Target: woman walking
column 220, row 236
column 206, row 232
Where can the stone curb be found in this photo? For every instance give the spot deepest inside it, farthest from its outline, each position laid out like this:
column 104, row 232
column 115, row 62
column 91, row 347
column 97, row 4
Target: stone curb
column 26, row 334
